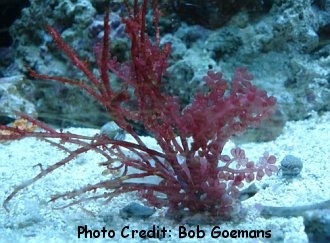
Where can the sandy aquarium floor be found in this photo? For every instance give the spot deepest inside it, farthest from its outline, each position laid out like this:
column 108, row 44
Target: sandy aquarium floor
column 32, row 219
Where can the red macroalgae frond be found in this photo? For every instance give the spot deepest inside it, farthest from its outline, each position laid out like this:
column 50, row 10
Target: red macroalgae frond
column 194, row 175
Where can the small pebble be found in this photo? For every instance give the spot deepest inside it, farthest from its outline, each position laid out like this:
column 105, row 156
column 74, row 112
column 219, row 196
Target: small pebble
column 113, row 131
column 291, row 166
column 135, row 210
column 248, row 192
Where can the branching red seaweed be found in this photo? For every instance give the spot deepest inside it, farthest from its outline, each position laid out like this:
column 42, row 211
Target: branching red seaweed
column 195, row 175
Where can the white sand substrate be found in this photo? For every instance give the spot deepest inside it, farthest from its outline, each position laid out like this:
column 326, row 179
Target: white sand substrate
column 32, row 219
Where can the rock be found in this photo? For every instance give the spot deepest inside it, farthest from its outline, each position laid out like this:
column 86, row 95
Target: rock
column 317, row 225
